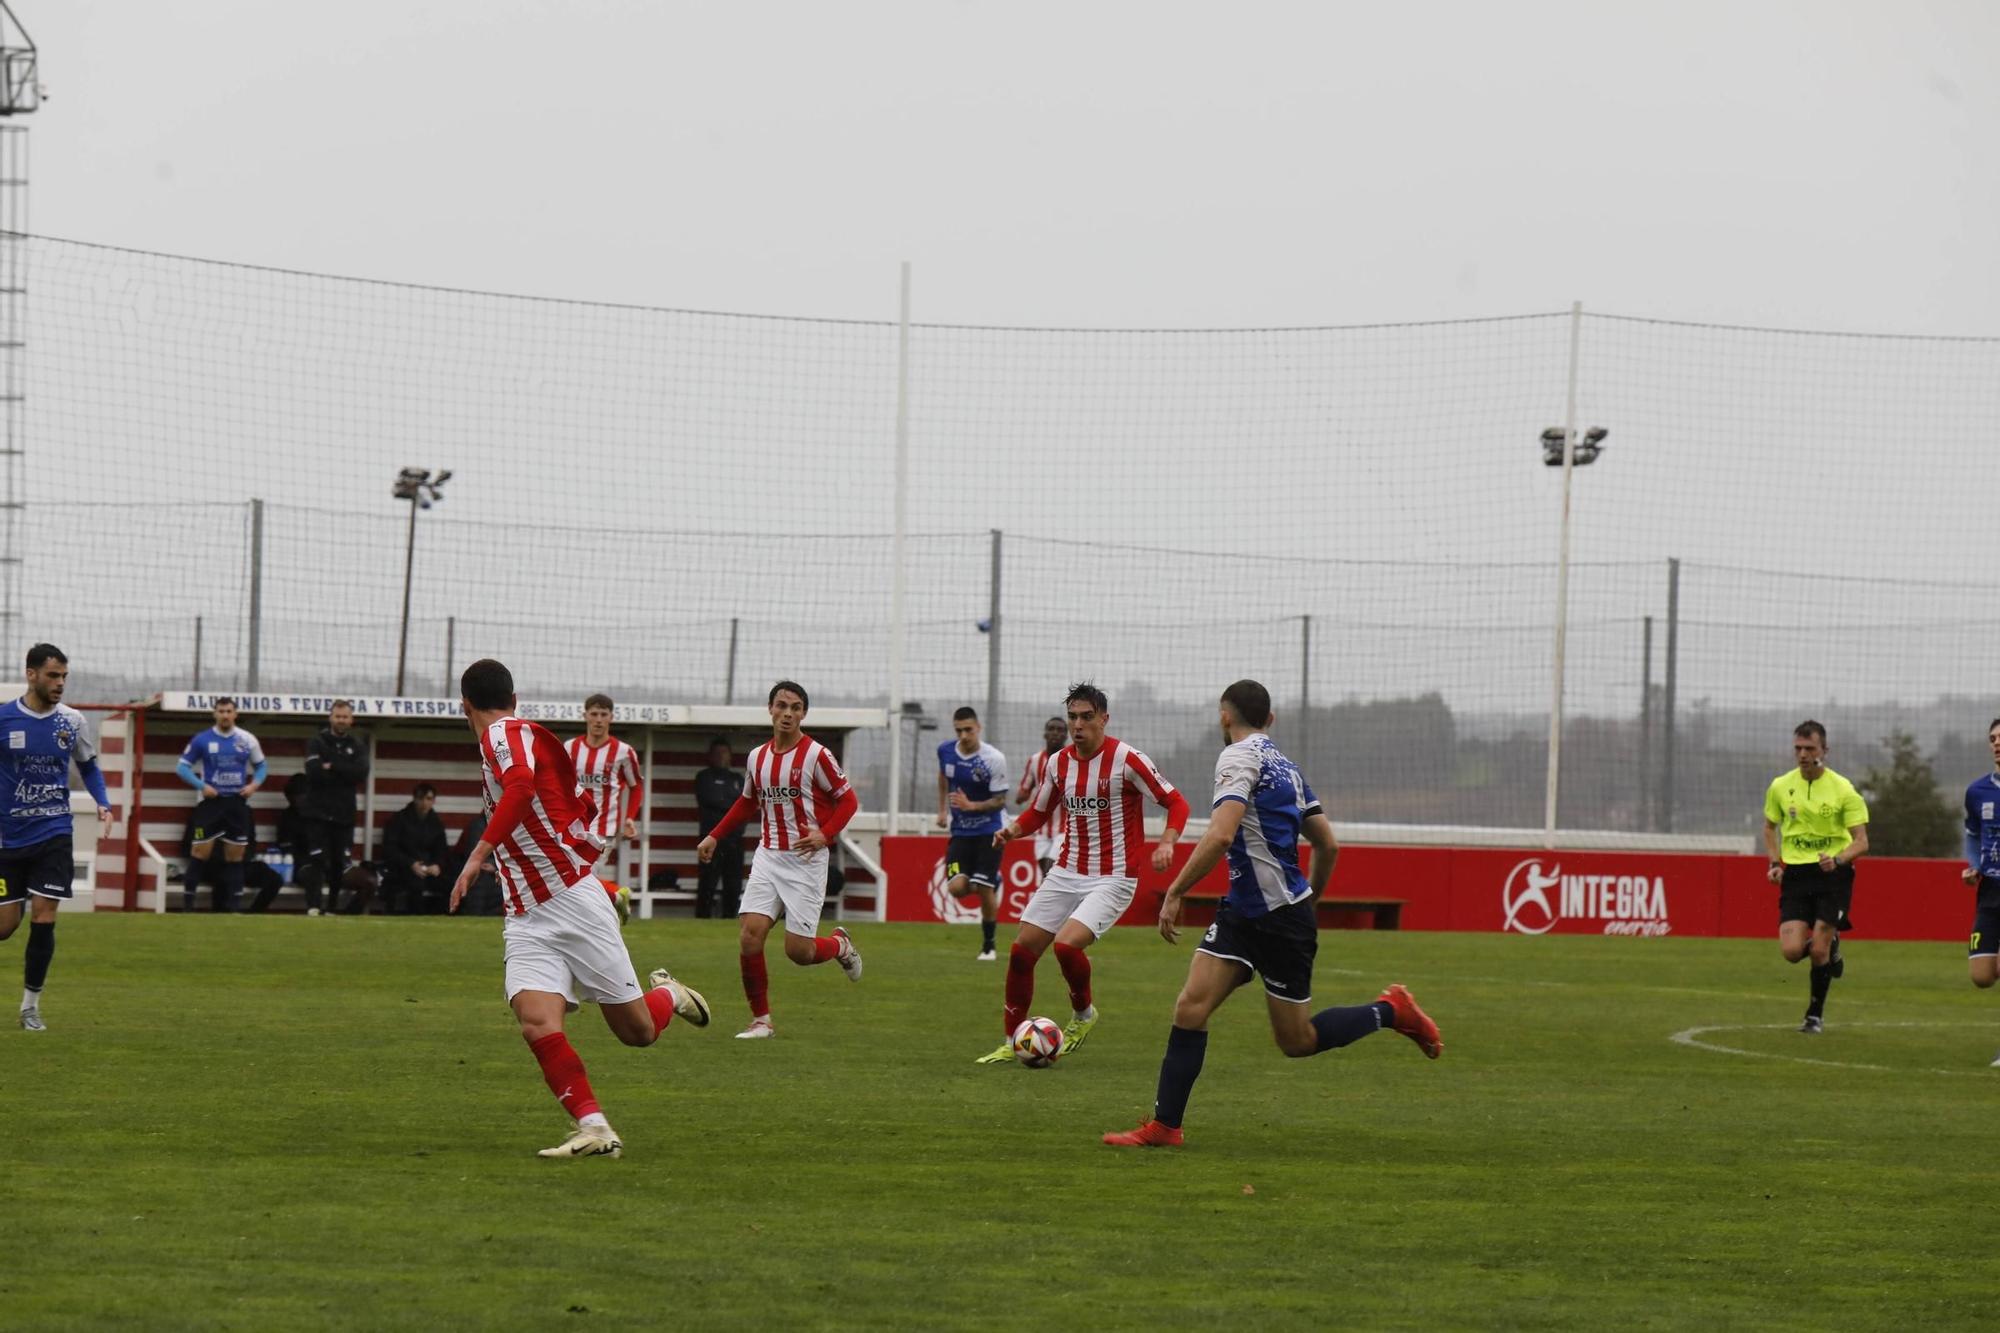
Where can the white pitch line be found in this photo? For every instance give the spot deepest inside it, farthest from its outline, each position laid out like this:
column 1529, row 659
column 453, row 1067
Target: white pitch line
column 1692, row 1037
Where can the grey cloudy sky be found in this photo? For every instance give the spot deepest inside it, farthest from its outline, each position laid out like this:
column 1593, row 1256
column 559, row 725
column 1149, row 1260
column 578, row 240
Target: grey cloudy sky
column 1808, row 163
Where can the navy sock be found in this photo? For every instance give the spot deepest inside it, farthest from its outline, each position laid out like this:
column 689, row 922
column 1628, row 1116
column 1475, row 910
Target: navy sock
column 1339, row 1027
column 40, row 951
column 986, row 929
column 1179, row 1068
column 1822, row 980
column 190, row 883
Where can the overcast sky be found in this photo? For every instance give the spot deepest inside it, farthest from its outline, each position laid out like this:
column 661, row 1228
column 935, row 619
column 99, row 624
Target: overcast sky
column 1806, row 164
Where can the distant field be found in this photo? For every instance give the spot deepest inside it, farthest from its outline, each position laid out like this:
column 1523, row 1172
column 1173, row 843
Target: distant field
column 255, row 1123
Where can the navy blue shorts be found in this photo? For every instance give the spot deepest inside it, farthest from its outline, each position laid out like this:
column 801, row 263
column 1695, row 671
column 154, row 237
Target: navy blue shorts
column 974, row 856
column 224, row 817
column 1278, row 946
column 1986, row 921
column 44, row 869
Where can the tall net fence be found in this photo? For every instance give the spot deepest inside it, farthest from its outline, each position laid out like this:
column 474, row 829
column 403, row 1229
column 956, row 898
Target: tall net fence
column 682, row 506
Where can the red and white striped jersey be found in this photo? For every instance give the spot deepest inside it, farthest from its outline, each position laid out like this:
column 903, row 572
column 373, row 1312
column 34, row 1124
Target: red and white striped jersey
column 1036, row 770
column 1102, row 800
column 609, row 773
column 537, row 818
column 792, row 789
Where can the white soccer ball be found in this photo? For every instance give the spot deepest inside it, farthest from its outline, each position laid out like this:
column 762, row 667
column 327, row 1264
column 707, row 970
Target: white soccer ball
column 1038, row 1042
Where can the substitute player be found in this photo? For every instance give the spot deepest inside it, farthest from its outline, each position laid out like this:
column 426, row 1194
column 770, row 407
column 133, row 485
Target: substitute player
column 1815, row 829
column 40, row 737
column 1982, row 868
column 797, row 787
column 972, row 793
column 1100, row 783
column 1265, row 925
column 1055, row 734
column 562, row 940
column 608, row 769
column 226, row 765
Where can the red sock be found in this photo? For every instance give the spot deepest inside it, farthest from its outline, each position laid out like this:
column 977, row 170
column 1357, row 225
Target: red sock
column 610, row 890
column 563, row 1069
column 825, row 949
column 1020, row 988
column 1075, row 965
column 660, row 1003
column 756, row 984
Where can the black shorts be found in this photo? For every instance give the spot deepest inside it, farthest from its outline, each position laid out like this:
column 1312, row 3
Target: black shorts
column 1278, row 946
column 43, row 870
column 224, row 817
column 974, row 856
column 1986, row 921
column 1809, row 894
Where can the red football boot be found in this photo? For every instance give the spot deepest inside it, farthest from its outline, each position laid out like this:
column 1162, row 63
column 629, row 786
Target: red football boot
column 1413, row 1022
column 1151, row 1134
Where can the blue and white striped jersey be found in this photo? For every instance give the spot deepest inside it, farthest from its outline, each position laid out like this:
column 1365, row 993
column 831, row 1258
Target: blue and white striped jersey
column 225, row 763
column 1263, row 858
column 35, row 754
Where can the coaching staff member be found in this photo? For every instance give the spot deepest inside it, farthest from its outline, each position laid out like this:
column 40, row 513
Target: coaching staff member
column 336, row 766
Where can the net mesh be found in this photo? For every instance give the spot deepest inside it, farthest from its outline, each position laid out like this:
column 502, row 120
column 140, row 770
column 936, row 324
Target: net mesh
column 1357, row 516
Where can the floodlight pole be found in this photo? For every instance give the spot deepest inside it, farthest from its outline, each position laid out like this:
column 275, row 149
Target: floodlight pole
column 409, row 560
column 897, row 589
column 1562, row 591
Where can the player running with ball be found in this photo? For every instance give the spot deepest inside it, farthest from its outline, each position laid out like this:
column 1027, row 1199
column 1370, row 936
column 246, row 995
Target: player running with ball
column 1266, row 924
column 562, row 939
column 1099, row 783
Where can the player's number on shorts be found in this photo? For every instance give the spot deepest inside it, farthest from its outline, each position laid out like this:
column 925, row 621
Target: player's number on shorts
column 1975, row 934
column 1209, row 938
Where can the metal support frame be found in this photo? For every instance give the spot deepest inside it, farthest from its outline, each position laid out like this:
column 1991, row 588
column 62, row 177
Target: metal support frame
column 899, row 592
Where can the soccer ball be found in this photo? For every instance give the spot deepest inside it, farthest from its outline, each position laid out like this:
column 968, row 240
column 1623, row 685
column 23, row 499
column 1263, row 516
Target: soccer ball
column 1038, row 1042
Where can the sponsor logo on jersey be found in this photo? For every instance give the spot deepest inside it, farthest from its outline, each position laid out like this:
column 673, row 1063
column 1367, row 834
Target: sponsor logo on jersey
column 1986, row 810
column 784, row 793
column 18, row 740
column 1083, row 804
column 1623, row 904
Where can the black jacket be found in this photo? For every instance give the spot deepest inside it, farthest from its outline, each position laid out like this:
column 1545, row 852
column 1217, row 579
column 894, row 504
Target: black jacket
column 410, row 839
column 715, row 790
column 336, row 766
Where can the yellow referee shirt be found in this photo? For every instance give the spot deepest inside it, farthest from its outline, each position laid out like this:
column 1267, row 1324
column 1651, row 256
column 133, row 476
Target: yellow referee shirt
column 1813, row 817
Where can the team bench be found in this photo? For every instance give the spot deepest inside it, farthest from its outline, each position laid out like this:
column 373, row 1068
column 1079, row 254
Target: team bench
column 1384, row 913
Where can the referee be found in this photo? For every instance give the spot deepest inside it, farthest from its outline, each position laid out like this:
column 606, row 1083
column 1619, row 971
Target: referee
column 1815, row 829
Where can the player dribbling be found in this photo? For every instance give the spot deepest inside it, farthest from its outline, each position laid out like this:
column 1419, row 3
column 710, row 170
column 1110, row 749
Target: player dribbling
column 562, row 940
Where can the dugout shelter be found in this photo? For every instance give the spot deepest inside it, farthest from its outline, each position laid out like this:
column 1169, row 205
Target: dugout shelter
column 413, row 740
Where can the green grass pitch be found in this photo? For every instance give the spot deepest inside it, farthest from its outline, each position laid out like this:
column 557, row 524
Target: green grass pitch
column 250, row 1123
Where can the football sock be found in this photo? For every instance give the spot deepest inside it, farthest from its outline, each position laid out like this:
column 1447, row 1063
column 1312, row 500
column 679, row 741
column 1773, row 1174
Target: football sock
column 1020, row 989
column 660, row 1004
column 37, row 956
column 756, row 984
column 562, row 1069
column 1339, row 1027
column 1179, row 1068
column 190, row 883
column 227, row 889
column 986, row 929
column 825, row 949
column 610, row 890
column 595, row 1120
column 1075, row 965
column 1822, row 979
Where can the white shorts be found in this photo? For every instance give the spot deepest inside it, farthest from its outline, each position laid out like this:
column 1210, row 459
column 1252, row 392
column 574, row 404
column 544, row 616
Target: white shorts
column 797, row 883
column 1097, row 901
column 570, row 946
